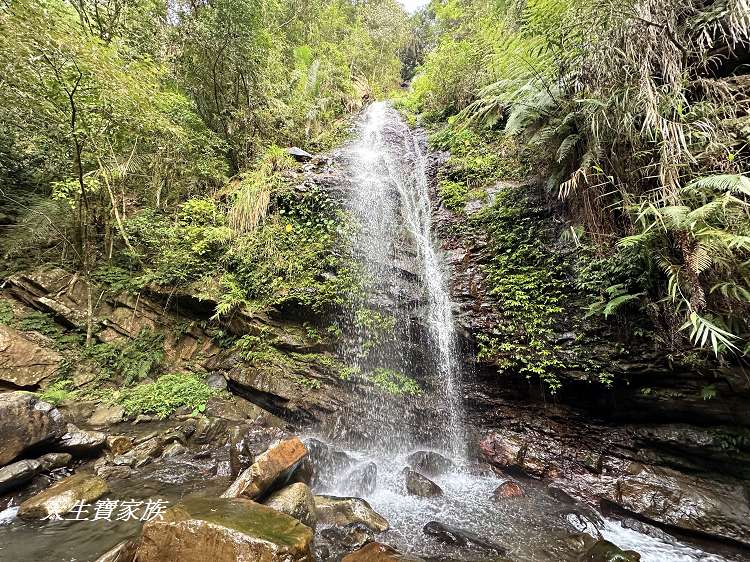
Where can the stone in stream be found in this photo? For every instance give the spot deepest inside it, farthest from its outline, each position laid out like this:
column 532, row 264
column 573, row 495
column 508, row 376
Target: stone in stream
column 461, row 538
column 377, row 552
column 323, row 462
column 18, row 473
column 429, row 463
column 62, row 496
column 508, row 489
column 80, row 442
column 271, row 468
column 296, row 501
column 338, row 511
column 224, row 530
column 418, row 485
column 605, row 551
column 26, row 421
column 348, row 537
column 363, row 480
column 51, row 461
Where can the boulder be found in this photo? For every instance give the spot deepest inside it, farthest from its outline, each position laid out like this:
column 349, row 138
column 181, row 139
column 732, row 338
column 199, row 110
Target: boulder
column 460, row 538
column 224, row 530
column 271, row 468
column 362, row 480
column 23, row 362
column 344, row 511
column 80, row 442
column 141, row 454
column 173, row 450
column 508, row 489
column 430, row 463
column 60, row 498
column 377, row 552
column 605, row 551
column 216, row 381
column 51, row 461
column 18, row 473
column 105, row 416
column 297, row 501
column 26, row 421
column 418, row 485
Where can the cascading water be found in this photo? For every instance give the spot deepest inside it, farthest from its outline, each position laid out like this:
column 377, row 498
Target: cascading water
column 404, row 287
column 401, row 328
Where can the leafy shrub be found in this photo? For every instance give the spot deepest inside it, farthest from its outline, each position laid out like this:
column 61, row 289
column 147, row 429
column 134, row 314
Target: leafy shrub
column 167, row 393
column 132, row 360
column 58, row 392
column 394, row 382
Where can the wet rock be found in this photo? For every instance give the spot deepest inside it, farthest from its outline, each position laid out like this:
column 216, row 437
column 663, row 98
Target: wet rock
column 363, row 480
column 271, row 468
column 430, row 463
column 323, row 462
column 719, row 508
column 80, row 442
column 174, row 450
column 508, row 489
column 418, row 485
column 110, row 472
column 298, row 154
column 119, row 444
column 141, row 454
column 338, row 511
column 105, row 416
column 560, row 495
column 123, row 552
column 60, row 498
column 224, row 530
column 605, row 551
column 209, row 430
column 377, row 552
column 26, row 421
column 77, row 411
column 348, row 537
column 590, row 524
column 18, row 473
column 297, row 501
column 51, row 461
column 461, row 538
column 23, row 361
column 143, row 418
column 645, row 529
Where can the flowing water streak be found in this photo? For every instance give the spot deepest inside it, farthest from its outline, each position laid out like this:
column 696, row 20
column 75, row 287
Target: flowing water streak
column 389, row 200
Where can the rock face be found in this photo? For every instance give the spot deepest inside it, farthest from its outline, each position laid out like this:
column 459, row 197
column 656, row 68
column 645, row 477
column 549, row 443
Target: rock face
column 344, row 511
column 430, row 463
column 224, row 530
column 18, row 473
column 23, row 362
column 26, row 421
column 297, row 501
column 60, row 498
column 418, row 485
column 461, row 538
column 272, row 467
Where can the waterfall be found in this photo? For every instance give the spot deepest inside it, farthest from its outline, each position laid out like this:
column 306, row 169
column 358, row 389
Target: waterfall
column 404, row 279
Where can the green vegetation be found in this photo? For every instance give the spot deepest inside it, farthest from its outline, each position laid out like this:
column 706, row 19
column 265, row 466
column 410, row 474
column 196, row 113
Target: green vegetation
column 394, row 382
column 643, row 141
column 128, row 360
column 167, row 393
